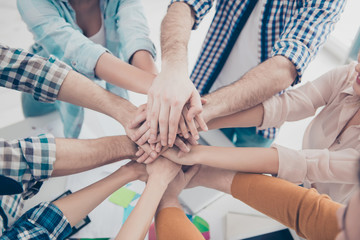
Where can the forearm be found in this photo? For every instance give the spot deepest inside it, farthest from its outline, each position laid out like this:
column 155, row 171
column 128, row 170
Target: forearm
column 257, row 85
column 77, row 205
column 75, row 155
column 313, row 216
column 137, row 225
column 247, row 118
column 79, row 90
column 143, row 60
column 124, row 75
column 255, row 160
column 175, row 34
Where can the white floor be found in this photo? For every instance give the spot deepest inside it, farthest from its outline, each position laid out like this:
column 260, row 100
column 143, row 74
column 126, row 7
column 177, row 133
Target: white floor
column 14, row 33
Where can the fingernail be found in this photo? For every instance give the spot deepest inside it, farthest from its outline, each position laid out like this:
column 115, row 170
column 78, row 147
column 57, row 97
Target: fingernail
column 148, row 123
column 197, row 137
column 153, row 155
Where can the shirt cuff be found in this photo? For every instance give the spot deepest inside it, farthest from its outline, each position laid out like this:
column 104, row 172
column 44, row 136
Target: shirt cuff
column 296, row 52
column 87, row 58
column 47, row 87
column 292, row 164
column 272, row 114
column 39, row 153
column 200, row 8
column 46, row 217
column 139, row 44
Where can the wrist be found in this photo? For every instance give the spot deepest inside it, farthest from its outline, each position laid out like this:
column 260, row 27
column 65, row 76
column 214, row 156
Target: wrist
column 159, row 180
column 179, row 67
column 168, row 202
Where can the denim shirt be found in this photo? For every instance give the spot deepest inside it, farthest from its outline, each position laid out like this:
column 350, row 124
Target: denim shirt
column 53, row 24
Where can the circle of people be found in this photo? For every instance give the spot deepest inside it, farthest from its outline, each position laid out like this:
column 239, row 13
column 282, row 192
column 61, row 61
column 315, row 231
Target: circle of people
column 238, row 84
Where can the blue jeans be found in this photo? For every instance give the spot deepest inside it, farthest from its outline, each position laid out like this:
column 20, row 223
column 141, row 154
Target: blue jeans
column 246, row 137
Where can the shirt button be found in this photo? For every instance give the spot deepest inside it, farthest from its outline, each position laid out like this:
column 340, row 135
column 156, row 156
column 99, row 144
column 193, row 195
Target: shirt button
column 73, row 63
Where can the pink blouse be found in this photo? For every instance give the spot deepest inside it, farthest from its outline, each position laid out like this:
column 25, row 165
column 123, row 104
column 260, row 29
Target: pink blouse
column 326, row 162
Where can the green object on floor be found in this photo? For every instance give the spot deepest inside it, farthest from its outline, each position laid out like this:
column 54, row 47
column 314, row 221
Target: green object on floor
column 200, row 224
column 122, row 197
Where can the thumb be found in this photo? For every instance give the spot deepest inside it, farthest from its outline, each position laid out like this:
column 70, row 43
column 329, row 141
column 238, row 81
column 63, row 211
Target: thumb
column 195, row 106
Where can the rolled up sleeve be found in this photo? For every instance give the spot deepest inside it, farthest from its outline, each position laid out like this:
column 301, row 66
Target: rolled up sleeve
column 307, row 31
column 200, row 8
column 28, row 161
column 55, row 36
column 317, row 165
column 133, row 29
column 45, row 221
column 22, row 71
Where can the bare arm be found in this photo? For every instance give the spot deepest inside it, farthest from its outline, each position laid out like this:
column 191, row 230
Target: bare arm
column 76, row 155
column 256, row 160
column 257, row 85
column 119, row 73
column 76, row 206
column 161, row 173
column 247, row 118
column 172, row 88
column 143, row 60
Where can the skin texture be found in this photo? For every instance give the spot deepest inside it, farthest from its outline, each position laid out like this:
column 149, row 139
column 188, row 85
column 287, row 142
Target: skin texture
column 77, row 205
column 172, row 88
column 161, row 173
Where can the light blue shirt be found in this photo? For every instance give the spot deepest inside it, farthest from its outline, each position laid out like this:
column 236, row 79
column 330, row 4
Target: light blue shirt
column 53, row 24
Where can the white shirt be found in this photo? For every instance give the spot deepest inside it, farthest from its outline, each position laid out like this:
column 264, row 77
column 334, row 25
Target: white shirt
column 244, row 54
column 100, row 37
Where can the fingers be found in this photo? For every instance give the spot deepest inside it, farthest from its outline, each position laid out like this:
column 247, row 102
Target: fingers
column 154, row 116
column 191, row 124
column 140, row 132
column 174, row 119
column 183, row 128
column 151, row 154
column 164, row 123
column 144, row 138
column 181, row 145
column 141, row 117
column 158, row 147
column 139, row 152
column 201, row 122
column 195, row 105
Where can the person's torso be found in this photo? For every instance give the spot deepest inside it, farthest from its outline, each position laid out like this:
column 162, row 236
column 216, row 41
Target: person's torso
column 263, row 28
column 325, row 132
column 110, row 17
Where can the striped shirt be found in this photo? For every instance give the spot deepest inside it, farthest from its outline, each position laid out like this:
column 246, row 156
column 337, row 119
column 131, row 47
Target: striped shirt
column 293, row 29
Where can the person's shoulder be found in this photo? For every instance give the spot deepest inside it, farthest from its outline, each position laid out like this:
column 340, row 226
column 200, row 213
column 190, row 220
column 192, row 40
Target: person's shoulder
column 345, row 75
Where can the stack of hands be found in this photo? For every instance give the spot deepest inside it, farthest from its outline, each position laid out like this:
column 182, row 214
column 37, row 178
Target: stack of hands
column 156, row 131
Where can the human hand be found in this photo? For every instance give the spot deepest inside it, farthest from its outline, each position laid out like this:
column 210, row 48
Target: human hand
column 191, row 158
column 170, row 91
column 137, row 170
column 162, row 170
column 140, row 115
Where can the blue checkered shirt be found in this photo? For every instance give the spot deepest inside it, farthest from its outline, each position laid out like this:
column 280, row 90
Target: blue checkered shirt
column 28, row 161
column 44, row 221
column 294, row 29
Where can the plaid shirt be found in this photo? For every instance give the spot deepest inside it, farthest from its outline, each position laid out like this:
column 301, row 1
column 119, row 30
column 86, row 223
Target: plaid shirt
column 28, row 161
column 44, row 221
column 26, row 72
column 294, row 29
